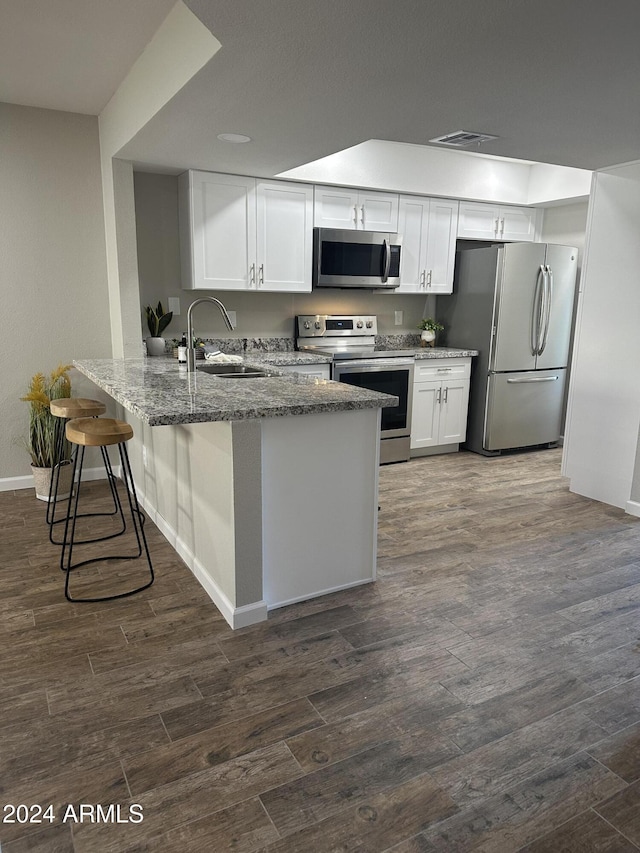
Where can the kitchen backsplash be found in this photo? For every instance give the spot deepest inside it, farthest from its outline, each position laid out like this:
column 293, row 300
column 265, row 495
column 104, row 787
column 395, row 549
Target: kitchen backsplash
column 269, row 344
column 239, row 346
column 392, row 342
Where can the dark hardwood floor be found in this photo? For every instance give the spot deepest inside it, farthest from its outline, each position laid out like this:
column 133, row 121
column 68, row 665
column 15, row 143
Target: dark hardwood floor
column 483, row 695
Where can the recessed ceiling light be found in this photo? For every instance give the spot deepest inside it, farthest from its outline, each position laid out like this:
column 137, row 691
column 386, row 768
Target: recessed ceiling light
column 234, row 137
column 462, row 138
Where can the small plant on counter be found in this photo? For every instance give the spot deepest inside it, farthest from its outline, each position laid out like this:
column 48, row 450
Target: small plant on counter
column 41, row 440
column 429, row 329
column 157, row 319
column 429, row 325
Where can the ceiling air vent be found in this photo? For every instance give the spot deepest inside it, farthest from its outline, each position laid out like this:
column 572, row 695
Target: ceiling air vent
column 463, row 138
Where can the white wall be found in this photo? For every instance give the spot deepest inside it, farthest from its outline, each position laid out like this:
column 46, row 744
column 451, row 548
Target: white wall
column 601, row 436
column 53, row 270
column 566, row 225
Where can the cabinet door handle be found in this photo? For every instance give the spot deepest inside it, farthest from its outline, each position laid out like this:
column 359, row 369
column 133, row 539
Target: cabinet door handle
column 446, row 394
column 423, row 278
column 260, row 275
column 495, row 227
column 502, row 226
column 355, row 215
column 252, row 275
column 439, row 395
column 362, row 214
column 429, row 278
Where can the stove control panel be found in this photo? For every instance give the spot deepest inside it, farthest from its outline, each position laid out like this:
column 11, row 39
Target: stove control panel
column 335, row 325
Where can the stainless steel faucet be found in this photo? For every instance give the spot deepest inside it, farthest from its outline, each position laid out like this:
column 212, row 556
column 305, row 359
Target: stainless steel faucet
column 191, row 350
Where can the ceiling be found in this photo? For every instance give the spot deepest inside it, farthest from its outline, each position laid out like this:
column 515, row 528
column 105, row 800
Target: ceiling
column 555, row 81
column 72, row 55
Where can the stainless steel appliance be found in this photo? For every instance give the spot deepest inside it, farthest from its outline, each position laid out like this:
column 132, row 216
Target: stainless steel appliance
column 351, row 340
column 514, row 304
column 368, row 259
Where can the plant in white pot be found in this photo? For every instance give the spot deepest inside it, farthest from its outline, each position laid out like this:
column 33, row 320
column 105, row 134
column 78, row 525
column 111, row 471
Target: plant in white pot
column 41, row 440
column 429, row 328
column 157, row 321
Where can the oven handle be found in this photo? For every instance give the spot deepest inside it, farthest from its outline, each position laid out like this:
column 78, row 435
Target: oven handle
column 363, row 365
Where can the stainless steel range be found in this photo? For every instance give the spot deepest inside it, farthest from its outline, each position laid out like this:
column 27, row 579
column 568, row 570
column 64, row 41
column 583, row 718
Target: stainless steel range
column 351, row 340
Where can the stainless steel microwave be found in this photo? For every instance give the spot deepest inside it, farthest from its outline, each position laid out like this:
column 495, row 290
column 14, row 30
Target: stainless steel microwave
column 367, row 259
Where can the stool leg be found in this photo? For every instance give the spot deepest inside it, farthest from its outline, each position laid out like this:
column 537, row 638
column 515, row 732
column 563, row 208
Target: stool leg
column 117, row 506
column 111, row 477
column 136, row 512
column 55, row 474
column 74, row 496
column 138, row 525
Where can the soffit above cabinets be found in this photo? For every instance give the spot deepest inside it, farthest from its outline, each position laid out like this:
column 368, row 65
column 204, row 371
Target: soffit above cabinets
column 305, row 79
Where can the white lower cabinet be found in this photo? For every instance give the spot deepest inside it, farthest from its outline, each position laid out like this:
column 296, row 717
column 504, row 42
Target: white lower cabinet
column 440, row 404
column 315, row 371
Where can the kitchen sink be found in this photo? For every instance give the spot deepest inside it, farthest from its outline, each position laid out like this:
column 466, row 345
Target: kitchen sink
column 234, row 371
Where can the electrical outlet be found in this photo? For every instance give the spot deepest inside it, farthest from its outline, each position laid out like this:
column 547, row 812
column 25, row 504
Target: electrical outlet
column 233, row 318
column 398, row 318
column 174, row 305
column 144, row 457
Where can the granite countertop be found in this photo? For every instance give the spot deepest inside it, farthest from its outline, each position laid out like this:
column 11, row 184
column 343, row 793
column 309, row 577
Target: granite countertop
column 288, row 359
column 160, row 392
column 444, row 352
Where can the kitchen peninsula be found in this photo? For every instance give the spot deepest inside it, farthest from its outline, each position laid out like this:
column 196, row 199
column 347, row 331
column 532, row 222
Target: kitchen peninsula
column 267, row 487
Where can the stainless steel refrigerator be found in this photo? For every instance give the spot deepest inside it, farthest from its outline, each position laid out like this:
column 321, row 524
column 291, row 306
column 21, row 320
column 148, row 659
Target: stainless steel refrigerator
column 513, row 303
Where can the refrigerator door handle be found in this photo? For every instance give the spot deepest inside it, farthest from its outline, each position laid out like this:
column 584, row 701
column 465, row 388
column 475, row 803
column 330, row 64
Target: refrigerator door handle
column 537, row 311
column 548, row 295
column 533, row 379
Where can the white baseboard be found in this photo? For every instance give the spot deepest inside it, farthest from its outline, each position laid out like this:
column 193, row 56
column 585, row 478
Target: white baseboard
column 322, row 592
column 438, row 450
column 10, row 484
column 237, row 617
column 633, row 508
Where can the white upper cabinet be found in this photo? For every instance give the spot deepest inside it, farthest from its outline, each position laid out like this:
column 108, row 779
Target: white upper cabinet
column 428, row 228
column 493, row 222
column 239, row 233
column 351, row 210
column 284, row 226
column 217, row 230
column 334, row 207
column 378, row 211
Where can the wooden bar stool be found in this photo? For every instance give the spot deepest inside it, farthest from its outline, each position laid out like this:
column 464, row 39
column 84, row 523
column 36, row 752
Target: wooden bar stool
column 101, row 432
column 65, row 409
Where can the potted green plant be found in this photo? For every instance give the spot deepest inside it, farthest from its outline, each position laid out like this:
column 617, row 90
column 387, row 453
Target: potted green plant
column 41, row 439
column 157, row 321
column 429, row 328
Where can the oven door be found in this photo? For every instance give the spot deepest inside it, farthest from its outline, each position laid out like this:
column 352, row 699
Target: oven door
column 390, row 376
